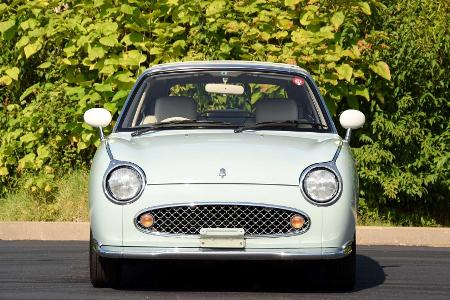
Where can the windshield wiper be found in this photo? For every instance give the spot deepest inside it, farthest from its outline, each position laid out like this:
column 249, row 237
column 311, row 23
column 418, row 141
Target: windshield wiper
column 177, row 124
column 279, row 124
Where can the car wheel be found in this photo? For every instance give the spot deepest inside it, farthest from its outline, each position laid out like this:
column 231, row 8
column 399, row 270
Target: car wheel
column 104, row 272
column 341, row 273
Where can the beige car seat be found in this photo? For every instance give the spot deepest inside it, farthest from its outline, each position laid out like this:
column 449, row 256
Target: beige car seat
column 273, row 110
column 173, row 107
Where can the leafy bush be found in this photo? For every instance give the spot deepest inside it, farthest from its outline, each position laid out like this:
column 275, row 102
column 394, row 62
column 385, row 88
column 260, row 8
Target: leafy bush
column 68, row 58
column 58, row 60
column 405, row 157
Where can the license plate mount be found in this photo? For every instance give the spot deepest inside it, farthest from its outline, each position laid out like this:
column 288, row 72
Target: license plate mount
column 222, row 238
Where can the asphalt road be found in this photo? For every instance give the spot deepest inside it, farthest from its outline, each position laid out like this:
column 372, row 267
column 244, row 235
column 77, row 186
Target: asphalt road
column 59, row 270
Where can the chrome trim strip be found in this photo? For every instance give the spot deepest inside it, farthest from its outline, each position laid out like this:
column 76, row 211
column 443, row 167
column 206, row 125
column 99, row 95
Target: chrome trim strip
column 105, row 140
column 108, row 150
column 114, row 164
column 338, row 151
column 219, row 254
column 222, row 203
column 331, row 166
column 348, row 135
column 225, row 183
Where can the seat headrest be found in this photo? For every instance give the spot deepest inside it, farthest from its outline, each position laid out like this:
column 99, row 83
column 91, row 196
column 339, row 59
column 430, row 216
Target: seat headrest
column 175, row 106
column 273, row 110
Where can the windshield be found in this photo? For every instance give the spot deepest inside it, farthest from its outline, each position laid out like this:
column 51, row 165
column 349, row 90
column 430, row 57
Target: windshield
column 212, row 99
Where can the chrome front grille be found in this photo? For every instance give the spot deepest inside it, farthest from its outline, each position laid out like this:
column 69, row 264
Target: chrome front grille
column 255, row 220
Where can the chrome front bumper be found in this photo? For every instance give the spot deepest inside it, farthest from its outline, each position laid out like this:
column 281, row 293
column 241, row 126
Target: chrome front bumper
column 222, row 254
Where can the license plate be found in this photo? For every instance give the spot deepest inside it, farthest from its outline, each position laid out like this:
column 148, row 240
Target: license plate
column 222, row 238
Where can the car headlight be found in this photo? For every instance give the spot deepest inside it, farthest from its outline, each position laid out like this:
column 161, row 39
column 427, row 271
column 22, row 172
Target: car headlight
column 124, row 183
column 320, row 184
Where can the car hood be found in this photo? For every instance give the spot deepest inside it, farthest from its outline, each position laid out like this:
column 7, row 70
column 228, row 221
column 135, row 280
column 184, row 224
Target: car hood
column 173, row 157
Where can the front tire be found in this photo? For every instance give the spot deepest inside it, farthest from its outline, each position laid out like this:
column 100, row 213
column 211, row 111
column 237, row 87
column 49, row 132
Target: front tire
column 104, row 272
column 341, row 273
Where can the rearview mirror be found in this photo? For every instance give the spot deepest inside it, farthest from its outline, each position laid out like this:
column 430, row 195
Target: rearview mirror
column 220, row 88
column 351, row 119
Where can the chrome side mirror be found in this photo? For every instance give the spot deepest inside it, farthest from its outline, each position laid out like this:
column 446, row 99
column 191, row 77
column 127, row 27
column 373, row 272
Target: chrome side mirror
column 351, row 119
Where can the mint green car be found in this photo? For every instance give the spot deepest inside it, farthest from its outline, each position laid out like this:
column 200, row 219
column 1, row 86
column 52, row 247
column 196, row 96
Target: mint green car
column 223, row 160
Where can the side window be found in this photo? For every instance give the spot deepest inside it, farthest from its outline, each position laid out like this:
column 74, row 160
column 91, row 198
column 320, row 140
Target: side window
column 135, row 119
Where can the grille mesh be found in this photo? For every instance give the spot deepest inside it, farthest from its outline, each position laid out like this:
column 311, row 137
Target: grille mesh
column 255, row 220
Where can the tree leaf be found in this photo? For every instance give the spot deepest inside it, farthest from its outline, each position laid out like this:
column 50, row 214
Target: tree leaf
column 29, row 24
column 110, row 40
column 28, row 138
column 360, row 90
column 107, row 28
column 133, row 38
column 179, row 45
column 337, row 19
column 7, row 25
column 127, row 9
column 382, row 69
column 87, row 136
column 3, row 171
column 98, row 3
column 26, row 162
column 33, row 48
column 24, row 40
column 81, row 146
column 285, row 24
column 108, row 70
column 103, row 87
column 120, row 95
column 5, row 80
column 306, row 18
column 365, row 7
column 28, row 91
column 45, row 65
column 156, row 51
column 96, row 52
column 172, row 2
column 3, row 6
column 291, row 2
column 111, row 106
column 43, row 152
column 345, row 71
column 132, row 58
column 13, row 73
column 215, row 7
column 70, row 50
column 124, row 76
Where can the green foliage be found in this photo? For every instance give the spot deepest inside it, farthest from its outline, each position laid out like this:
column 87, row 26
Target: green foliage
column 404, row 155
column 58, row 60
column 63, row 59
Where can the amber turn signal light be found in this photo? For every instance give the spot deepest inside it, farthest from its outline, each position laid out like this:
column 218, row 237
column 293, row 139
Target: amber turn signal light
column 297, row 221
column 146, row 220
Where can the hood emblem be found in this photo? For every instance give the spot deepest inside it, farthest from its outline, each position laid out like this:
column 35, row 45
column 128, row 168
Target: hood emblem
column 222, row 173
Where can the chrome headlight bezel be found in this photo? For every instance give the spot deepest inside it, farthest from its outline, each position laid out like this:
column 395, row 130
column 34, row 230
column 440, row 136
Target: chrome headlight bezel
column 113, row 166
column 328, row 166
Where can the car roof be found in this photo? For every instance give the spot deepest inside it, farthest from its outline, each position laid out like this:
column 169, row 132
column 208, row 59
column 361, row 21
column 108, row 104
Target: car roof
column 226, row 64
